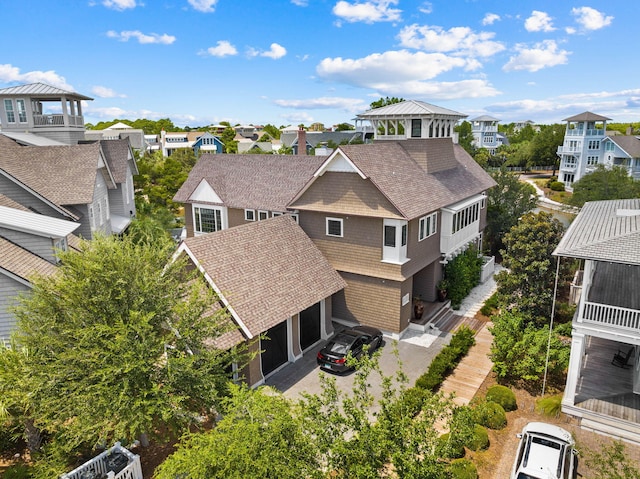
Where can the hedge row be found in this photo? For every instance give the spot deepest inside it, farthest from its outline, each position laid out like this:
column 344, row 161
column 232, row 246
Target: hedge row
column 447, row 359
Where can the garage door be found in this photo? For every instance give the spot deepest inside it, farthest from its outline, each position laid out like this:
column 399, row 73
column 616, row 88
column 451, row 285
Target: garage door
column 274, row 349
column 310, row 326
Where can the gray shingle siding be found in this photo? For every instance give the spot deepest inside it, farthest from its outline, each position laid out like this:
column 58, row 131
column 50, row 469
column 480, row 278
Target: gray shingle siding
column 9, row 291
column 39, row 245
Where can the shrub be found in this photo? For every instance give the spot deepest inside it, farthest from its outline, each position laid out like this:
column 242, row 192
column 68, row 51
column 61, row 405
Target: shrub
column 557, row 186
column 490, row 414
column 462, row 274
column 553, row 179
column 449, row 448
column 412, row 400
column 463, row 469
column 550, row 405
column 490, row 305
column 480, row 439
column 447, row 359
column 503, row 396
column 17, row 471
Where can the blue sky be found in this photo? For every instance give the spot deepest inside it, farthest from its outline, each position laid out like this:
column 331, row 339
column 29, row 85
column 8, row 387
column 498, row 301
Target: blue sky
column 284, row 62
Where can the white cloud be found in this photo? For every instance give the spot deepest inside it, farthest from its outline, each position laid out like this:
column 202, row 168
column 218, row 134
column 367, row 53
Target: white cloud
column 539, row 22
column 426, row 7
column 404, row 73
column 591, row 19
column 120, row 4
column 300, row 3
column 206, row 6
column 543, row 55
column 11, row 74
column 275, row 52
column 110, row 112
column 354, row 105
column 368, row 12
column 458, row 40
column 298, row 118
column 490, row 19
column 143, row 38
column 104, row 92
column 222, row 49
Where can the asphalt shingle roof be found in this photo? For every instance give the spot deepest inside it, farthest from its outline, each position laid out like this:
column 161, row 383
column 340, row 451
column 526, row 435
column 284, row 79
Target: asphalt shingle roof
column 251, row 181
column 287, row 271
column 630, row 144
column 65, row 175
column 116, row 153
column 587, row 116
column 604, row 231
column 22, row 262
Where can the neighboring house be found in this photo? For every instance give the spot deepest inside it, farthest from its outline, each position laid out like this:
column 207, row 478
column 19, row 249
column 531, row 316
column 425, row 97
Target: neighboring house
column 582, row 148
column 123, row 167
column 119, row 131
column 29, row 243
column 386, row 215
column 42, row 110
column 603, row 380
column 485, row 133
column 198, row 141
column 317, row 139
column 624, row 151
column 272, row 280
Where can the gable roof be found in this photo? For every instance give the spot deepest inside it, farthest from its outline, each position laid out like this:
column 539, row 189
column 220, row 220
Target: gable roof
column 251, row 181
column 484, row 118
column 21, row 263
column 118, row 155
column 409, row 108
column 587, row 116
column 65, row 175
column 265, row 272
column 604, row 231
column 416, row 176
column 629, row 144
column 40, row 90
column 34, row 223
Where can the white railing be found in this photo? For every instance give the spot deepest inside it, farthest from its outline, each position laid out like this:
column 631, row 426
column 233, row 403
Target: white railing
column 611, row 315
column 57, row 120
column 450, row 243
column 99, row 465
column 579, row 132
column 488, row 267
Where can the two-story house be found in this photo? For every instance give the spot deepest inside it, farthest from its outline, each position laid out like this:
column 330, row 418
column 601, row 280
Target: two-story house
column 582, row 148
column 485, row 133
column 29, row 243
column 623, row 151
column 603, row 380
column 385, row 215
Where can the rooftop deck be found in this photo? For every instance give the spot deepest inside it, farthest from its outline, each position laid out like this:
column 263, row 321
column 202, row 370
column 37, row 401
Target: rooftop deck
column 616, row 284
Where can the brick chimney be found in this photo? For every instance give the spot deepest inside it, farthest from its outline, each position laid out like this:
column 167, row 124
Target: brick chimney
column 302, row 141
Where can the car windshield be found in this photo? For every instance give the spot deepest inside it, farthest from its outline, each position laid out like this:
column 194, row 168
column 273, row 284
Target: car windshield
column 340, row 344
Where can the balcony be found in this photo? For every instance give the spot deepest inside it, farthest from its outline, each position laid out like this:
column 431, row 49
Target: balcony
column 581, row 132
column 57, row 120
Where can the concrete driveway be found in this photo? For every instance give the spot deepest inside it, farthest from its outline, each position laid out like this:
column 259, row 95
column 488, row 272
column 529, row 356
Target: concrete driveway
column 415, row 351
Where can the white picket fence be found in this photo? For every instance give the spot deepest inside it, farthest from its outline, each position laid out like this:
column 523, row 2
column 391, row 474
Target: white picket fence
column 98, row 467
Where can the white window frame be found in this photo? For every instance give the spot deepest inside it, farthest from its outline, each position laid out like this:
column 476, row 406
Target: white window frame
column 275, row 214
column 263, row 215
column 337, row 220
column 296, row 217
column 396, row 254
column 592, row 160
column 21, row 108
column 92, row 220
column 249, row 215
column 9, row 110
column 593, row 145
column 431, row 221
column 197, row 228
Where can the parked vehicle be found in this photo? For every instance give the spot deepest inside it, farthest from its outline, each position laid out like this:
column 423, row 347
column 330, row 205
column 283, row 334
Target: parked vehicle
column 545, row 452
column 333, row 357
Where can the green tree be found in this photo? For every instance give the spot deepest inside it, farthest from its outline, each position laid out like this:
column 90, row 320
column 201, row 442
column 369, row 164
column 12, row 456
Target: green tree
column 385, row 101
column 527, row 282
column 228, row 140
column 115, row 346
column 465, row 137
column 604, row 184
column 519, row 351
column 482, row 157
column 344, row 127
column 523, row 134
column 273, row 131
column 506, row 203
column 544, row 146
column 259, row 436
column 612, row 462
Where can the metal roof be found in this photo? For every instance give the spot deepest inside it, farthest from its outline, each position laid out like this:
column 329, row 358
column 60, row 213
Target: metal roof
column 40, row 90
column 587, row 116
column 31, row 139
column 34, row 223
column 484, row 118
column 604, row 231
column 409, row 108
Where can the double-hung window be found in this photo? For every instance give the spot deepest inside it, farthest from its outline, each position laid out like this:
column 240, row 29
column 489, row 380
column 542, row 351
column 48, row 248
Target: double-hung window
column 394, row 241
column 207, row 220
column 22, row 111
column 10, row 112
column 427, row 226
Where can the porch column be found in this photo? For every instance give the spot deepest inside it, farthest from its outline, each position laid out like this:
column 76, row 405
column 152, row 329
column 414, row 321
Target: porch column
column 326, row 328
column 292, row 357
column 636, row 371
column 575, row 366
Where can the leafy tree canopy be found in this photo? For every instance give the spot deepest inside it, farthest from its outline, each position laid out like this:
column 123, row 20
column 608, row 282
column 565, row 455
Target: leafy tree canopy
column 344, row 127
column 604, row 184
column 385, row 101
column 527, row 282
column 273, row 131
column 116, row 345
column 465, row 137
column 506, row 203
